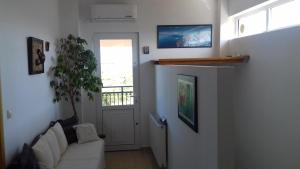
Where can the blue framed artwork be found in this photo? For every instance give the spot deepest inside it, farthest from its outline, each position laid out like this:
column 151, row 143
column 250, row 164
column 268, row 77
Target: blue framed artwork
column 184, row 36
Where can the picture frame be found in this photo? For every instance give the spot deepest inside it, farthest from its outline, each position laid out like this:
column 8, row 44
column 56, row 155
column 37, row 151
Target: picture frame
column 187, row 100
column 146, row 50
column 184, row 36
column 47, row 46
column 36, row 57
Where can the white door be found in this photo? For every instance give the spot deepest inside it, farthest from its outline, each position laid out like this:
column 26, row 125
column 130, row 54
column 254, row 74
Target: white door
column 119, row 106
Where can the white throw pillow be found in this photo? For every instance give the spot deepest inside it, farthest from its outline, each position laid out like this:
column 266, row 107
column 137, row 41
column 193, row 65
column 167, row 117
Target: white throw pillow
column 61, row 138
column 53, row 144
column 86, row 132
column 43, row 154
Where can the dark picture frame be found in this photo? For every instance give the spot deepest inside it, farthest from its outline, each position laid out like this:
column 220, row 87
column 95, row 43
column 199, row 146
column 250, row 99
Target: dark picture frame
column 36, row 57
column 47, row 46
column 187, row 100
column 184, row 36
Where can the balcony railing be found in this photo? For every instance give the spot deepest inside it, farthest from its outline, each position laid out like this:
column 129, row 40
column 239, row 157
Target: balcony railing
column 117, row 96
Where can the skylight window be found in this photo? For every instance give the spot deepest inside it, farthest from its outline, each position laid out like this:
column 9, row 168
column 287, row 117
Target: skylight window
column 276, row 15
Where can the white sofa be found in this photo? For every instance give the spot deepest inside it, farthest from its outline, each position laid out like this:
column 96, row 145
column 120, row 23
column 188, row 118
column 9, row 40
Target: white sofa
column 53, row 152
column 83, row 156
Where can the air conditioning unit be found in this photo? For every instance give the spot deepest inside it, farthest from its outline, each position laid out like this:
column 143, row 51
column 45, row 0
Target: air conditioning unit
column 114, row 12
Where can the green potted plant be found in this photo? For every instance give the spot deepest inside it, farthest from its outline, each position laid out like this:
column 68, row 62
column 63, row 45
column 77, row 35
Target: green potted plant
column 74, row 71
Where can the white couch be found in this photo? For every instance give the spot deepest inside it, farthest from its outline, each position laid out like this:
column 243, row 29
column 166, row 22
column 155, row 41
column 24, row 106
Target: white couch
column 83, row 156
column 53, row 152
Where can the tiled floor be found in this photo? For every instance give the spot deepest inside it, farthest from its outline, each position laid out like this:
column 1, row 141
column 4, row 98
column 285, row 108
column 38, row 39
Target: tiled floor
column 140, row 159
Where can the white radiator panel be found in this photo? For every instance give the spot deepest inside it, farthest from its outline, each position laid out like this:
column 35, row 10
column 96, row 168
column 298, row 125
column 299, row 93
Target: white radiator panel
column 158, row 140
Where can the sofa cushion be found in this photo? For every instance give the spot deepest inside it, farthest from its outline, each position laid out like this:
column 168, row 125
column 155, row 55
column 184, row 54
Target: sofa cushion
column 43, row 154
column 86, row 132
column 28, row 159
column 69, row 131
column 53, row 144
column 61, row 137
column 83, row 156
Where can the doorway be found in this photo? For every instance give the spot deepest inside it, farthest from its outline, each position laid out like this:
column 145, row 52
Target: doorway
column 119, row 100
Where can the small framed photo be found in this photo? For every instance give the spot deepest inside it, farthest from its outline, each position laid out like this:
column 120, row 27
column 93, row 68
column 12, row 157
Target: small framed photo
column 184, row 36
column 36, row 57
column 47, row 46
column 146, row 50
column 187, row 100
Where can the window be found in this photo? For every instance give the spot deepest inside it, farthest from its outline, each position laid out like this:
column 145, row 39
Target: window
column 285, row 15
column 275, row 15
column 253, row 24
column 116, row 72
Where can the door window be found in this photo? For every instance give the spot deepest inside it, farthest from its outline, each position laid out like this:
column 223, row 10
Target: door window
column 117, row 72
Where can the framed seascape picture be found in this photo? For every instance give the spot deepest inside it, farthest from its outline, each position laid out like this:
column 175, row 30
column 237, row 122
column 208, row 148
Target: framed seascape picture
column 184, row 36
column 187, row 100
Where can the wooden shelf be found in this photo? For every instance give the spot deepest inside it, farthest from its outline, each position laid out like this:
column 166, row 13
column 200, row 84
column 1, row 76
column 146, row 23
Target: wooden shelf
column 212, row 61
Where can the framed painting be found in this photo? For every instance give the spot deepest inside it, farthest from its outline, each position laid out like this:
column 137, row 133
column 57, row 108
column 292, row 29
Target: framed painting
column 187, row 100
column 36, row 57
column 184, row 36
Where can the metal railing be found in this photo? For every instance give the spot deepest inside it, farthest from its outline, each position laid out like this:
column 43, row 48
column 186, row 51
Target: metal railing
column 117, row 96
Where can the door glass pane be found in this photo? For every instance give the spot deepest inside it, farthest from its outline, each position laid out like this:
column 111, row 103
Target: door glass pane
column 253, row 24
column 116, row 72
column 285, row 15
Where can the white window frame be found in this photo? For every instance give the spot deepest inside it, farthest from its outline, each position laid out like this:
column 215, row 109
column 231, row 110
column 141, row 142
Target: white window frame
column 268, row 8
column 237, row 19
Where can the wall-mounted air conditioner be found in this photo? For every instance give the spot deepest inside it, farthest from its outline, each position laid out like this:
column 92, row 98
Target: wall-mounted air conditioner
column 114, row 12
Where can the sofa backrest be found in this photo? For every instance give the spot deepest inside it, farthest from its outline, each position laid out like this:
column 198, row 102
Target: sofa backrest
column 19, row 161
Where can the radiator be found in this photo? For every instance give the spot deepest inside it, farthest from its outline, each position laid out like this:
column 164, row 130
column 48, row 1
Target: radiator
column 158, row 139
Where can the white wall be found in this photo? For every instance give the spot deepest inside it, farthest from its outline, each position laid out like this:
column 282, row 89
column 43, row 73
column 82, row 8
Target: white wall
column 226, row 142
column 266, row 97
column 28, row 97
column 212, row 146
column 69, row 24
column 69, row 17
column 188, row 149
column 226, row 27
column 237, row 6
column 267, row 100
column 150, row 14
